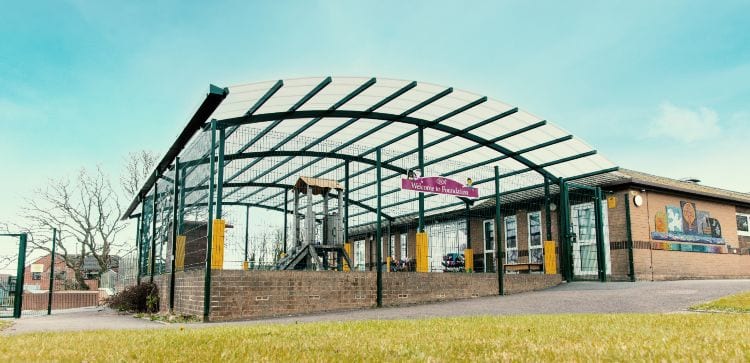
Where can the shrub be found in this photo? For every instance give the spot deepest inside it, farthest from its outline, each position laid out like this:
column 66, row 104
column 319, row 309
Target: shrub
column 143, row 298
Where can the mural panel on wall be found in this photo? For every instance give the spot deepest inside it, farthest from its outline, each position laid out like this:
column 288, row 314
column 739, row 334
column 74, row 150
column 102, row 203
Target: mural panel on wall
column 685, row 223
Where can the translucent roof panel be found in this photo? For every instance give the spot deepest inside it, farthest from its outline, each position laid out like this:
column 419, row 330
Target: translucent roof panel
column 279, row 130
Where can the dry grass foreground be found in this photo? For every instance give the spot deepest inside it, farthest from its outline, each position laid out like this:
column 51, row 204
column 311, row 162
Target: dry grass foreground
column 738, row 303
column 615, row 337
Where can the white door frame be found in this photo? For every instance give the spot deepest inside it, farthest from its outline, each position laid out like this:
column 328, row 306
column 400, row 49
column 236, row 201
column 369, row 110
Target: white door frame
column 492, row 249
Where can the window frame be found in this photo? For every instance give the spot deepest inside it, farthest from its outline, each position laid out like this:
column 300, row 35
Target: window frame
column 508, row 249
column 539, row 233
column 747, row 218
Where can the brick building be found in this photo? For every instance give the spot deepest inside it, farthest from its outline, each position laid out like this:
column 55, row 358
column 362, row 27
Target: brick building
column 664, row 246
column 36, row 275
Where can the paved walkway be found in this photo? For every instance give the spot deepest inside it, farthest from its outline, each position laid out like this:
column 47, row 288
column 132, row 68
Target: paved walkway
column 578, row 297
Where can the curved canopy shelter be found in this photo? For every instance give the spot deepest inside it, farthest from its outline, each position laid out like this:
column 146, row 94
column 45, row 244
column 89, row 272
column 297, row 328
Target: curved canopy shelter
column 267, row 135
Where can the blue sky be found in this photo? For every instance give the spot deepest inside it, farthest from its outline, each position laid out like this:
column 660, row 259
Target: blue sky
column 661, row 87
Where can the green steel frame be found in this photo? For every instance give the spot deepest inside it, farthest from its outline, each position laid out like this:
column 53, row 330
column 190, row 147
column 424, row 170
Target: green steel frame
column 216, row 159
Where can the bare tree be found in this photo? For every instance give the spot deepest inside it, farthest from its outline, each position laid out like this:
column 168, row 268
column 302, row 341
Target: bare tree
column 138, row 166
column 86, row 210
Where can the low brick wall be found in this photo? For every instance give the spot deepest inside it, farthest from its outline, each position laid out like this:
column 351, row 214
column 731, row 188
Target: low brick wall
column 60, row 300
column 237, row 295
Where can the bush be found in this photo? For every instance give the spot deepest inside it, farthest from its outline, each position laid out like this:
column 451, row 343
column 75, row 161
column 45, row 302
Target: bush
column 143, row 298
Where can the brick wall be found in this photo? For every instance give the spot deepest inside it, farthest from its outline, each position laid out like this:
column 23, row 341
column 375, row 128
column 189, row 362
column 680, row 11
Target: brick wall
column 653, row 264
column 240, row 294
column 188, row 292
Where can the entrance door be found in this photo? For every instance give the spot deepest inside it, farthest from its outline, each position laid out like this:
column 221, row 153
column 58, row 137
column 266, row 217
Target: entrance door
column 489, row 245
column 583, row 225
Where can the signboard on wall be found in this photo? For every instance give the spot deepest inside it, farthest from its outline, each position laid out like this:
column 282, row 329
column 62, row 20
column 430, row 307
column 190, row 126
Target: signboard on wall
column 686, row 223
column 439, row 185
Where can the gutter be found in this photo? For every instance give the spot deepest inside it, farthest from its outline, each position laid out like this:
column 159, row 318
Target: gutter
column 212, row 101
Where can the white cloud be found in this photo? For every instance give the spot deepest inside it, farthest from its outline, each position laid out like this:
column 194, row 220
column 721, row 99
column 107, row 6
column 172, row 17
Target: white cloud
column 684, row 124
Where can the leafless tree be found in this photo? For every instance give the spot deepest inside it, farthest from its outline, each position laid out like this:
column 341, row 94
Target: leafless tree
column 86, row 210
column 138, row 166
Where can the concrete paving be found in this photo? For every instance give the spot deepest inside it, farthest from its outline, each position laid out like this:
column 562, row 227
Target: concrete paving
column 577, row 297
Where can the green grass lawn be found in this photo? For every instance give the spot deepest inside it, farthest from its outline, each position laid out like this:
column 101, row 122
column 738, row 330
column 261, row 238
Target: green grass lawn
column 738, row 303
column 4, row 324
column 619, row 337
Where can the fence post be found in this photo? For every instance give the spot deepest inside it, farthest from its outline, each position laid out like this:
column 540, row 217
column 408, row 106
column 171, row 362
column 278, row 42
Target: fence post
column 18, row 299
column 629, row 234
column 601, row 257
column 52, row 272
column 500, row 247
column 175, row 231
column 378, row 236
column 209, row 226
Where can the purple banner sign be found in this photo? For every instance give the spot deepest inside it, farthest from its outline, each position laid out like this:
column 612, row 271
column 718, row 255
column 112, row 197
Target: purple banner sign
column 439, row 185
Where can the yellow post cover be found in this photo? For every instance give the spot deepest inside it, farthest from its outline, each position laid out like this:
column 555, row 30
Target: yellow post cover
column 422, row 252
column 245, row 265
column 550, row 258
column 217, row 245
column 469, row 260
column 179, row 255
column 348, row 250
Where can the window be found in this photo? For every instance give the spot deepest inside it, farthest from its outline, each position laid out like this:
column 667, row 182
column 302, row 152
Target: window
column 359, row 255
column 36, row 275
column 403, row 245
column 489, row 245
column 535, row 237
column 511, row 244
column 445, row 238
column 743, row 224
column 489, row 236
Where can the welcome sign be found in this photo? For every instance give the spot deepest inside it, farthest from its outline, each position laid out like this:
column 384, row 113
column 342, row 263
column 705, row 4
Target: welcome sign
column 439, row 185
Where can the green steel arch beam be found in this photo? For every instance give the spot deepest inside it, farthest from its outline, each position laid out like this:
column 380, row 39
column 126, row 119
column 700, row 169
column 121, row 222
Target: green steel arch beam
column 385, row 117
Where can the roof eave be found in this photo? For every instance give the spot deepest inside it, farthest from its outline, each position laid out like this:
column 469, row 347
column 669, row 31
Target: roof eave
column 213, row 99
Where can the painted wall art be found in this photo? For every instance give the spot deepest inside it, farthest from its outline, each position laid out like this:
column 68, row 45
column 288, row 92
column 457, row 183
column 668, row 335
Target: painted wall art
column 685, row 223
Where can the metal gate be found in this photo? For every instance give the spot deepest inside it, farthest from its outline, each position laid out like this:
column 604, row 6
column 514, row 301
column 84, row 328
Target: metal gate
column 583, row 247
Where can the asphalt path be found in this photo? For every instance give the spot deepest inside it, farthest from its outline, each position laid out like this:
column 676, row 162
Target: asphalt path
column 571, row 298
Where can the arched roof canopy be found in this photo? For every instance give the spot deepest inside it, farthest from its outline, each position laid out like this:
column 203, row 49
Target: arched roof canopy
column 273, row 132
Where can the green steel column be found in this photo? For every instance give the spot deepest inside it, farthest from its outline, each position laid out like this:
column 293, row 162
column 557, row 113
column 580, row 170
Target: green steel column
column 175, row 231
column 629, row 234
column 209, row 226
column 468, row 226
column 286, row 222
column 378, row 236
column 601, row 257
column 181, row 215
column 153, row 230
column 247, row 229
column 420, row 146
column 566, row 260
column 51, row 272
column 547, row 209
column 500, row 246
column 18, row 299
column 346, row 203
column 138, row 243
column 220, row 175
